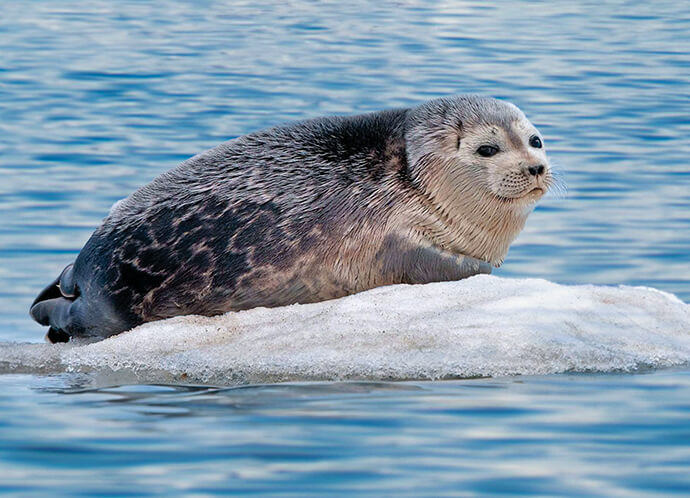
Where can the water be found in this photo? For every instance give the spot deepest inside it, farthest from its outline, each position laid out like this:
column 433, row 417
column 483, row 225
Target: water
column 606, row 435
column 98, row 98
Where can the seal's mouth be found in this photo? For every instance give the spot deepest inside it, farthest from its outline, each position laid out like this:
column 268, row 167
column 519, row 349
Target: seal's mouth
column 532, row 194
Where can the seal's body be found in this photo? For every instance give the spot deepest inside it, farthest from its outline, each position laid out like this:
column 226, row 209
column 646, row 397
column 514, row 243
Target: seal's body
column 308, row 212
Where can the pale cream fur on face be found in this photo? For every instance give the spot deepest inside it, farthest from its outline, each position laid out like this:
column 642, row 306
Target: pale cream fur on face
column 476, row 206
column 506, row 174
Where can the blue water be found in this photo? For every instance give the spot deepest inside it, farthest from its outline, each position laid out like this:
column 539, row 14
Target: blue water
column 605, row 435
column 97, row 98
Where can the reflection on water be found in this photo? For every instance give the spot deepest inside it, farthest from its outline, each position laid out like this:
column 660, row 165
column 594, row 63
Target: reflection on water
column 97, row 98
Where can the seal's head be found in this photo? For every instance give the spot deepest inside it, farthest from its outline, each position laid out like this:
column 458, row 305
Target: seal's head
column 481, row 165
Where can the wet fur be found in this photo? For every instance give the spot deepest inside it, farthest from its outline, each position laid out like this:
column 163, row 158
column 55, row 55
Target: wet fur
column 294, row 214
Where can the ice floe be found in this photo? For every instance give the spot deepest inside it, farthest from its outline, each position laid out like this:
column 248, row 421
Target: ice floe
column 481, row 326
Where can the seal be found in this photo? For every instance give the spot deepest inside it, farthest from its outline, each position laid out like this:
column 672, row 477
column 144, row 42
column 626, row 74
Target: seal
column 307, row 212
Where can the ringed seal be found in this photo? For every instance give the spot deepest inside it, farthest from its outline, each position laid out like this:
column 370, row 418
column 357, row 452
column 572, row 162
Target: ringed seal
column 307, row 212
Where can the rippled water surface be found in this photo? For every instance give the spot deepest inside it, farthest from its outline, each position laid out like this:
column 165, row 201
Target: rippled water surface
column 605, row 435
column 97, row 98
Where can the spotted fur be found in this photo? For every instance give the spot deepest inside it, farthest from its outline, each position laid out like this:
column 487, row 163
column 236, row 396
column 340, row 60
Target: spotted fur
column 301, row 213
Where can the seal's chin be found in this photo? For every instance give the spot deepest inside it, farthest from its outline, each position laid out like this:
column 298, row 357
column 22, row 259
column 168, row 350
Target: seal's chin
column 532, row 195
column 528, row 196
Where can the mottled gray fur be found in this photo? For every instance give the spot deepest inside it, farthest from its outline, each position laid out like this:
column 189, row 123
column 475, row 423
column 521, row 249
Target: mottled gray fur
column 294, row 214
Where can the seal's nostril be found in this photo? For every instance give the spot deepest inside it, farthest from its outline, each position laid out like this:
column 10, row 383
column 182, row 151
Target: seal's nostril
column 536, row 170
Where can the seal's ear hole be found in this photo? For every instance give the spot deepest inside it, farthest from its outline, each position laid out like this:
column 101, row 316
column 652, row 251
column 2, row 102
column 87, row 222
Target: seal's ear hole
column 458, row 144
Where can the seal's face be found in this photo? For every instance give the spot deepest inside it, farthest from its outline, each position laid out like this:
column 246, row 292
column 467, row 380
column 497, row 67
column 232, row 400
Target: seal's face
column 509, row 157
column 480, row 166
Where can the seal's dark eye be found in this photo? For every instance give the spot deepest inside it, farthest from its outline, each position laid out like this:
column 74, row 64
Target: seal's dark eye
column 535, row 142
column 487, row 150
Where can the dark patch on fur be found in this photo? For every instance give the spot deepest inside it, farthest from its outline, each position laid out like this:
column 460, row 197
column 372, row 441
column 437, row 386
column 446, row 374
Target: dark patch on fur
column 123, row 297
column 230, row 266
column 139, row 280
column 405, row 177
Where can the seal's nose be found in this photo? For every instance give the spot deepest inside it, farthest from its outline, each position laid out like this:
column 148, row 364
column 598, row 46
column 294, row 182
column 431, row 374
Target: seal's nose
column 536, row 170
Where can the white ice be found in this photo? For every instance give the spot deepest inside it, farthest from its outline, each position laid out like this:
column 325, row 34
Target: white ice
column 481, row 326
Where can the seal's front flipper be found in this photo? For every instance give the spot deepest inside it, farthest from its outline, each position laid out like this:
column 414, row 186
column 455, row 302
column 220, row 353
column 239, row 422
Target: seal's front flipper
column 407, row 263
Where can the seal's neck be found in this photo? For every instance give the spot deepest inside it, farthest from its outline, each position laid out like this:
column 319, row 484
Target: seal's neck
column 464, row 219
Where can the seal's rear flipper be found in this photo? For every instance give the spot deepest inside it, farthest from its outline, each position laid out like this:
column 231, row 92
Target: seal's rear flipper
column 55, row 335
column 60, row 315
column 53, row 312
column 50, row 292
column 52, row 306
column 63, row 286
